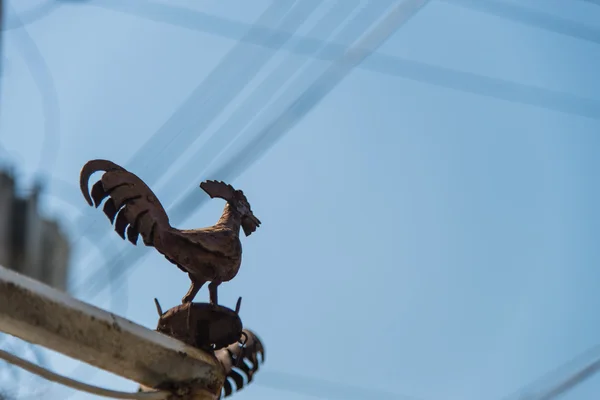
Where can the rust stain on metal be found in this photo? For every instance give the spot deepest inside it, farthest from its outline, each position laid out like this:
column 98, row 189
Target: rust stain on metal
column 211, row 254
column 205, row 326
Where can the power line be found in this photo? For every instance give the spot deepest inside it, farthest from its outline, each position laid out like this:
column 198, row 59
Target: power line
column 218, row 89
column 452, row 79
column 323, row 389
column 496, row 88
column 77, row 385
column 297, row 110
column 255, row 103
column 222, row 85
column 529, row 17
column 235, row 66
column 562, row 378
column 21, row 347
column 197, row 20
column 32, row 15
column 42, row 77
column 291, row 115
column 192, row 108
column 193, row 199
column 245, row 113
column 569, row 383
column 14, row 374
column 235, row 123
column 396, row 66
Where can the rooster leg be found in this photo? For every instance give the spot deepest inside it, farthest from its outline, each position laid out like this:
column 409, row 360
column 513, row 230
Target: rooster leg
column 194, row 288
column 212, row 289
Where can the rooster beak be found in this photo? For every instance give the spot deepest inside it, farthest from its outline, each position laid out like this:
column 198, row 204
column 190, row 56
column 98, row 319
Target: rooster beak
column 249, row 224
column 255, row 220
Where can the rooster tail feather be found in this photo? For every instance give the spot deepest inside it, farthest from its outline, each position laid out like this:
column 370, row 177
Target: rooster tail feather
column 131, row 205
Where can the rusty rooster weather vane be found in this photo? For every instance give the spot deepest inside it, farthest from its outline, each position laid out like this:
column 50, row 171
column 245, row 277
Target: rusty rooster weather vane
column 211, row 254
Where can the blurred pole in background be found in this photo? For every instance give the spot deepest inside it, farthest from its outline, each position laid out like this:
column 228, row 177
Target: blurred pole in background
column 29, row 243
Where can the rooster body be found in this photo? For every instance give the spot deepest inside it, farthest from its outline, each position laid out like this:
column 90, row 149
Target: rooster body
column 212, row 254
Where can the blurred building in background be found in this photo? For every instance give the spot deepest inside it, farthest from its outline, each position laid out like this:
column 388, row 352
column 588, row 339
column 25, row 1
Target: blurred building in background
column 29, row 243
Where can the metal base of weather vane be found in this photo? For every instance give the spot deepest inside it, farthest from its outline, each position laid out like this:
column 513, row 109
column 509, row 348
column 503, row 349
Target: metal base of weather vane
column 201, row 325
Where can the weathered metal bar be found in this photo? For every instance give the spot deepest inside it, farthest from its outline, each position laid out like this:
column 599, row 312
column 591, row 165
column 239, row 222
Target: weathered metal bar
column 45, row 316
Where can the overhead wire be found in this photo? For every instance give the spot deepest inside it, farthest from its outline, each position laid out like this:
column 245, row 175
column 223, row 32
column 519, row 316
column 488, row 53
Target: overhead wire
column 459, row 81
column 255, row 102
column 329, row 390
column 532, row 18
column 44, row 81
column 42, row 77
column 421, row 72
column 178, row 212
column 467, row 82
column 206, row 103
column 292, row 108
column 221, row 26
column 560, row 379
column 31, row 15
column 191, row 109
column 570, row 382
column 321, row 388
column 293, row 21
column 13, row 386
column 228, row 71
column 77, row 385
column 286, row 120
column 218, row 89
column 449, row 78
column 22, row 347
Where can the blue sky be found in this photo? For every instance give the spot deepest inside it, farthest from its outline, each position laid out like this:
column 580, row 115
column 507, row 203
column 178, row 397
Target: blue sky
column 416, row 239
